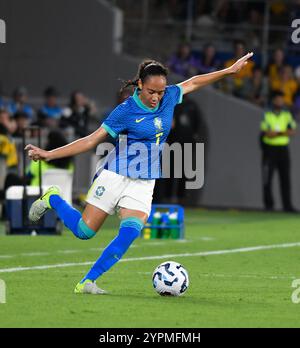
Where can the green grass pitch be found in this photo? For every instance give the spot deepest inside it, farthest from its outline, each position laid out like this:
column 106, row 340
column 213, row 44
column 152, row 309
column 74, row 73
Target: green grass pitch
column 238, row 288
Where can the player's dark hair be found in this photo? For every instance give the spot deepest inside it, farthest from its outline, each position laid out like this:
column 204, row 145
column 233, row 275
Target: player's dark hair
column 147, row 68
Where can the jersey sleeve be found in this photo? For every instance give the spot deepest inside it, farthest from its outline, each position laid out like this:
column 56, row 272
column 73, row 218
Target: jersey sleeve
column 175, row 93
column 115, row 123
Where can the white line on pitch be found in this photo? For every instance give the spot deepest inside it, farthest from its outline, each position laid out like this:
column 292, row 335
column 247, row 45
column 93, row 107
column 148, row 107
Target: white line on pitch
column 158, row 257
column 74, row 251
column 220, row 275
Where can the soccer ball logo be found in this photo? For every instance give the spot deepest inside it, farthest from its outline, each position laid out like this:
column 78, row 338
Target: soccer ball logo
column 170, row 279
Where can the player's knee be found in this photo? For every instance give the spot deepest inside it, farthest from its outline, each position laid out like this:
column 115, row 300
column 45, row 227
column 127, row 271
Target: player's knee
column 130, row 229
column 84, row 231
column 133, row 226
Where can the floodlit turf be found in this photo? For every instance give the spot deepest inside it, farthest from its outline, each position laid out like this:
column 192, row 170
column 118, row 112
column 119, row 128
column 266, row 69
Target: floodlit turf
column 236, row 289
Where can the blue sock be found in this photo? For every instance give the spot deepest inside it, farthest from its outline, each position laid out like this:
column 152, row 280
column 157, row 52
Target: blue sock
column 130, row 229
column 71, row 218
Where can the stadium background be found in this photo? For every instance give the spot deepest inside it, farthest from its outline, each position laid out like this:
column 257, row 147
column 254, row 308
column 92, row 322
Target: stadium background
column 53, row 43
column 89, row 45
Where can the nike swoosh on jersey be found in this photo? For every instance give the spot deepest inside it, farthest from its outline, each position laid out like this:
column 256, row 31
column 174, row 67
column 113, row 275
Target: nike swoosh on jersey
column 139, row 120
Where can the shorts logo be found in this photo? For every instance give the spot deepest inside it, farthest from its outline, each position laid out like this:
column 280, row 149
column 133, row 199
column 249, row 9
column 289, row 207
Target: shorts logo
column 100, row 190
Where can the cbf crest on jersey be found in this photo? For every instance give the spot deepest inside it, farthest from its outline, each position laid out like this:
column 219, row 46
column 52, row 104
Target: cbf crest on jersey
column 158, row 123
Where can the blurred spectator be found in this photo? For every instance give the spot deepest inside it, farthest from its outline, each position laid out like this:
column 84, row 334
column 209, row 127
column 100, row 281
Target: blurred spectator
column 7, row 123
column 297, row 74
column 236, row 84
column 184, row 63
column 208, row 62
column 8, row 151
column 277, row 62
column 2, row 104
column 171, row 9
column 239, row 51
column 50, row 113
column 252, row 26
column 19, row 103
column 295, row 9
column 278, row 12
column 7, row 145
column 296, row 104
column 229, row 12
column 55, row 139
column 203, row 14
column 277, row 127
column 256, row 88
column 286, row 83
column 22, row 121
column 77, row 115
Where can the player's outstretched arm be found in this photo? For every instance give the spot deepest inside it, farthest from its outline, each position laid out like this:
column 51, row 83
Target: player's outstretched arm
column 199, row 81
column 76, row 147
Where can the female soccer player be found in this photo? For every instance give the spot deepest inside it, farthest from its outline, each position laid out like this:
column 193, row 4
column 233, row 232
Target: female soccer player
column 145, row 118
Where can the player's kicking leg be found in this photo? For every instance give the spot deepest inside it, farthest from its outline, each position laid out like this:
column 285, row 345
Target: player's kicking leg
column 83, row 226
column 131, row 225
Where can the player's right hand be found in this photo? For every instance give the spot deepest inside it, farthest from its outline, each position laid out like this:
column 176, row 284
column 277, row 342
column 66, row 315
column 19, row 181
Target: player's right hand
column 36, row 154
column 239, row 64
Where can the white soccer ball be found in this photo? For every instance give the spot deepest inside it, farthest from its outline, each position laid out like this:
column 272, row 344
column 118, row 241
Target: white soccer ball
column 170, row 279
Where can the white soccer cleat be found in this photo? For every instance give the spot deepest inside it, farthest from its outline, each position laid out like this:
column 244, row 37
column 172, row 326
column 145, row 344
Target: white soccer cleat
column 37, row 210
column 89, row 287
column 42, row 204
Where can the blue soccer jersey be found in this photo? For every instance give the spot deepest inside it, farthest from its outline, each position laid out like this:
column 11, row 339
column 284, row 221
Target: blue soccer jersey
column 141, row 133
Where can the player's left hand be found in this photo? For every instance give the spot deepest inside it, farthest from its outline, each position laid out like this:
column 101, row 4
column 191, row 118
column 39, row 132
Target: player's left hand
column 239, row 64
